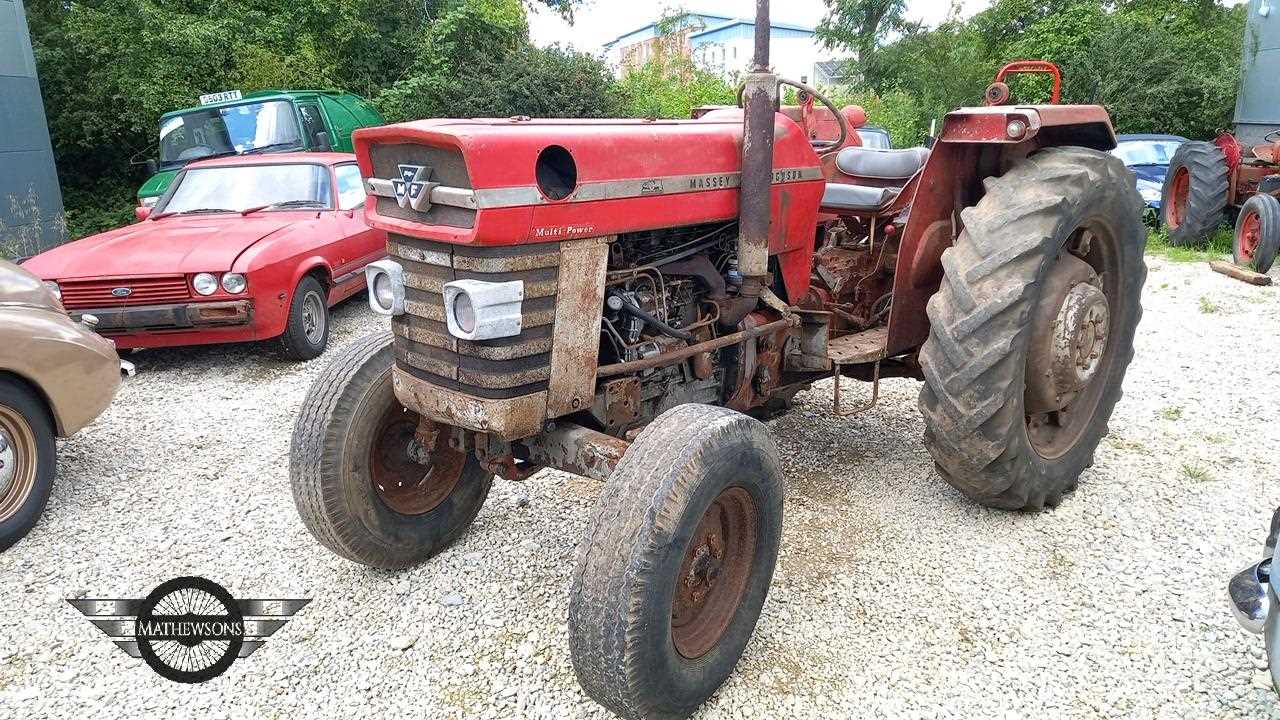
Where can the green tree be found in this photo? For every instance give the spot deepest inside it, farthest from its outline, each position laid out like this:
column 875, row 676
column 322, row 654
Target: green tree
column 861, row 25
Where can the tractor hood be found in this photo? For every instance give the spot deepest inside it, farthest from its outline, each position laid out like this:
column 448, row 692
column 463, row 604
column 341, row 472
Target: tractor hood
column 179, row 244
column 515, row 180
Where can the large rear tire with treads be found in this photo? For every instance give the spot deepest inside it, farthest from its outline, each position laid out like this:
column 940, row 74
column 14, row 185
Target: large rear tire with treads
column 1032, row 328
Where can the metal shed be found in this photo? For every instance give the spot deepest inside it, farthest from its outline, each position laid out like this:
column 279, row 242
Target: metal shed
column 31, row 214
column 1258, row 104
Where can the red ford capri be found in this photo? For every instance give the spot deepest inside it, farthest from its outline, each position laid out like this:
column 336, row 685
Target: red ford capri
column 238, row 249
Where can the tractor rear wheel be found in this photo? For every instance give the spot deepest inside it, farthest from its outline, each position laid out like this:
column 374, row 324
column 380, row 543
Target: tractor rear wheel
column 1194, row 200
column 365, row 486
column 1032, row 328
column 1257, row 236
column 677, row 562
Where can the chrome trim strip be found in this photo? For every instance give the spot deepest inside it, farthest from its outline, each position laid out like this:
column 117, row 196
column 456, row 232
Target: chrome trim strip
column 519, row 196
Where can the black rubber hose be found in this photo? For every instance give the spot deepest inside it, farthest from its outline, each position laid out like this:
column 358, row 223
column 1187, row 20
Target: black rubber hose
column 648, row 319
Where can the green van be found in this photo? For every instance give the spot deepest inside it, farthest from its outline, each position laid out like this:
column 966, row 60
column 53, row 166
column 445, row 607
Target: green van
column 228, row 123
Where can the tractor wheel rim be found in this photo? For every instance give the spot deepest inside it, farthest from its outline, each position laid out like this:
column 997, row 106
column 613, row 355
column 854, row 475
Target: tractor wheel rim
column 410, row 479
column 1250, row 235
column 1068, row 382
column 313, row 318
column 1179, row 193
column 17, row 461
column 714, row 573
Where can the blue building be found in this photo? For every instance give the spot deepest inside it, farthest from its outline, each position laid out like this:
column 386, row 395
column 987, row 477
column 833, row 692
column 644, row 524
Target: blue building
column 31, row 214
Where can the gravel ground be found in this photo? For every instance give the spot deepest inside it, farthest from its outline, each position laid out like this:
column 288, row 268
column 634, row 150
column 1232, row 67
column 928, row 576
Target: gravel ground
column 894, row 596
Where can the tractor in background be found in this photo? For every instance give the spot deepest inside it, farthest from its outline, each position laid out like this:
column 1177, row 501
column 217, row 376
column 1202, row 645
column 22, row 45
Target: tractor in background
column 1236, row 177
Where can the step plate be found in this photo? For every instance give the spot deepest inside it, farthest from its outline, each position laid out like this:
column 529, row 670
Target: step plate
column 863, row 347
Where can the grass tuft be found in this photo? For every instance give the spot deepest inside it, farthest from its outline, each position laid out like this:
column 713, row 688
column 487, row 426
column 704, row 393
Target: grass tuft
column 1196, row 473
column 1218, row 247
column 1207, row 306
column 1173, row 412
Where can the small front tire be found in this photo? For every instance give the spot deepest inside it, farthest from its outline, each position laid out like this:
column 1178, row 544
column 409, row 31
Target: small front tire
column 27, row 461
column 358, row 480
column 1257, row 236
column 677, row 563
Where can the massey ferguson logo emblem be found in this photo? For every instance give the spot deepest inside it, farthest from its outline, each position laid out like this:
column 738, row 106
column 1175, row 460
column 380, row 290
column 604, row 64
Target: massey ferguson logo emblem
column 411, row 185
column 188, row 629
column 121, row 292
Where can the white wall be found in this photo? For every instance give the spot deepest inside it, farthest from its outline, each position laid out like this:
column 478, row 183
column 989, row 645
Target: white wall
column 792, row 58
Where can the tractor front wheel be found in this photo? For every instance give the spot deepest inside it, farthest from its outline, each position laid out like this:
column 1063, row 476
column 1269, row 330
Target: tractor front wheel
column 366, row 485
column 677, row 563
column 1194, row 200
column 1257, row 236
column 1032, row 329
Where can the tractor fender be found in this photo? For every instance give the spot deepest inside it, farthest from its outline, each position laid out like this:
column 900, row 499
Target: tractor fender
column 974, row 144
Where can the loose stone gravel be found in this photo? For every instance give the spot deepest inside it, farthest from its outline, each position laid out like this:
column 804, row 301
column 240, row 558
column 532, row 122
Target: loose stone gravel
column 894, row 596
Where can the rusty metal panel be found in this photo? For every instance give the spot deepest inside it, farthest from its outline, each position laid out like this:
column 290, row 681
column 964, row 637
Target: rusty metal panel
column 575, row 352
column 508, row 418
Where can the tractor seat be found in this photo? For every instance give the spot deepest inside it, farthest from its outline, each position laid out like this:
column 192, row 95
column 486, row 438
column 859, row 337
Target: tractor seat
column 893, row 165
column 843, row 196
column 882, row 164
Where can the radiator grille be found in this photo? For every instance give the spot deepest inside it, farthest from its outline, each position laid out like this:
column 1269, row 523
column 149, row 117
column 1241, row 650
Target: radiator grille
column 503, row 368
column 96, row 293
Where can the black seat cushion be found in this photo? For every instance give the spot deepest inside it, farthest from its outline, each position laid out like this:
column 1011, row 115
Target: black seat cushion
column 881, row 164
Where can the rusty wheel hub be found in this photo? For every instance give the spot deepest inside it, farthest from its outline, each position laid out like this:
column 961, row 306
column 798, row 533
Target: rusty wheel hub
column 17, row 461
column 1250, row 235
column 1179, row 195
column 1079, row 338
column 412, row 472
column 714, row 573
column 1068, row 351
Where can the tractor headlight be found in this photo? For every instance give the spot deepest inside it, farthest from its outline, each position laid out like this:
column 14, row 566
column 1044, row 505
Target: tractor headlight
column 478, row 310
column 385, row 279
column 234, row 283
column 205, row 283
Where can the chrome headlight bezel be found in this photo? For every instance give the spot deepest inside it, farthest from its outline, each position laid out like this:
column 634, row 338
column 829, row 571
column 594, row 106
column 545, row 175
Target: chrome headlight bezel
column 495, row 307
column 390, row 272
column 235, row 283
column 204, row 283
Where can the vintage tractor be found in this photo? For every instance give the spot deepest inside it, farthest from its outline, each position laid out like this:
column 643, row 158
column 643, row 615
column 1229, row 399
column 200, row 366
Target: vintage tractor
column 619, row 298
column 1208, row 181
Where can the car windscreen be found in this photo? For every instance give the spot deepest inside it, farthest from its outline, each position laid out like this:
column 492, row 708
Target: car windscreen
column 236, row 188
column 874, row 139
column 222, row 131
column 1146, row 152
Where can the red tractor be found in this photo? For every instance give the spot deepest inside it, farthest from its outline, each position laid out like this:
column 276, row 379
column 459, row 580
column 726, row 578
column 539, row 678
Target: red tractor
column 622, row 299
column 1207, row 181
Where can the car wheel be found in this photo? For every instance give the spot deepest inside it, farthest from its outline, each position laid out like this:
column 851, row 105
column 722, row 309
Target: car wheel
column 307, row 330
column 27, row 460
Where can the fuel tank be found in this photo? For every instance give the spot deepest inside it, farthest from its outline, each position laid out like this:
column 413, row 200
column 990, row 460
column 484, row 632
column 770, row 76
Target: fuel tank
column 495, row 182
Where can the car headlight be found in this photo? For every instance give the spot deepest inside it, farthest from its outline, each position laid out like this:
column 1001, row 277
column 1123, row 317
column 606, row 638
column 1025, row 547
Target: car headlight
column 205, row 283
column 54, row 288
column 478, row 310
column 149, row 201
column 234, row 283
column 385, row 280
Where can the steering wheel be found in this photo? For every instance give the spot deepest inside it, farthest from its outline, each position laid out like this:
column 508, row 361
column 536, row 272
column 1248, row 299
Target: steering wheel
column 819, row 145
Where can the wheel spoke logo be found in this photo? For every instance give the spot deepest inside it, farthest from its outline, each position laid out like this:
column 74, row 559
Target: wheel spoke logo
column 189, row 629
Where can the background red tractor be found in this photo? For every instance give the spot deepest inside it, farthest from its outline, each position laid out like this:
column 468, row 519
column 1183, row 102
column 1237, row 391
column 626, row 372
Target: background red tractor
column 623, row 299
column 1209, row 182
column 1237, row 176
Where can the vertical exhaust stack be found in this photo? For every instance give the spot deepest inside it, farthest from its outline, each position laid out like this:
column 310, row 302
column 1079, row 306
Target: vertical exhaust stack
column 760, row 102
